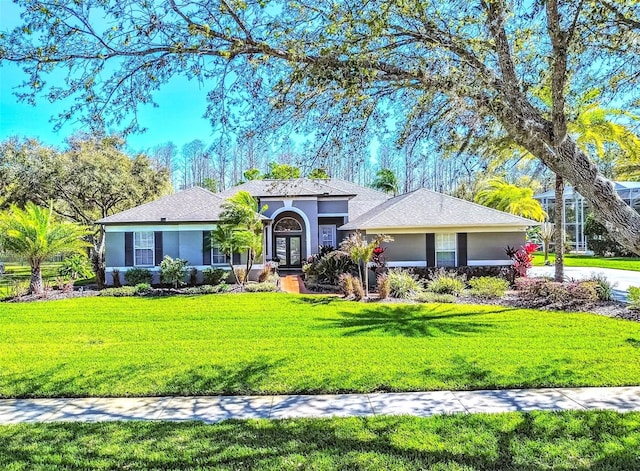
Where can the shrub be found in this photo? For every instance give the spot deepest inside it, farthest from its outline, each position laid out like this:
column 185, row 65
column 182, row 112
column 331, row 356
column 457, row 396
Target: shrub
column 214, row 276
column 142, row 288
column 489, row 287
column 383, row 286
column 446, row 283
column 585, row 290
column 115, row 275
column 430, row 297
column 119, row 292
column 358, row 289
column 634, row 297
column 263, row 287
column 428, row 273
column 327, row 268
column 531, row 287
column 135, row 276
column 193, row 276
column 207, row 289
column 75, row 267
column 403, row 284
column 173, row 271
column 600, row 240
column 604, row 286
column 345, row 282
column 64, row 284
column 267, row 270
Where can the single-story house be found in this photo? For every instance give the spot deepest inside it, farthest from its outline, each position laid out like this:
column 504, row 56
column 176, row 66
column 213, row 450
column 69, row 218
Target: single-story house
column 429, row 228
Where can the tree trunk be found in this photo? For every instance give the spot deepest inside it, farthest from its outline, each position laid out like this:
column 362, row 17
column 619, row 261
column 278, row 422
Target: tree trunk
column 36, row 286
column 97, row 258
column 558, row 235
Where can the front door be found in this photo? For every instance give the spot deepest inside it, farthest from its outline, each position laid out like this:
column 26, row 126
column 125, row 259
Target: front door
column 288, row 251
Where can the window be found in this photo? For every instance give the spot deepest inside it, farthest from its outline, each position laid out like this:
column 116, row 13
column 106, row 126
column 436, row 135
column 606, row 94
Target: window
column 327, row 235
column 445, row 250
column 217, row 257
column 287, row 225
column 143, row 249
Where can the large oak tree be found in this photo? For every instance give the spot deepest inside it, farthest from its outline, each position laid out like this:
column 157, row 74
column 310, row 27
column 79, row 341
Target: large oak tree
column 431, row 67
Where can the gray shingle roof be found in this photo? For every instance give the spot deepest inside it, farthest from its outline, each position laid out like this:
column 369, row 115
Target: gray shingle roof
column 426, row 208
column 361, row 199
column 193, row 205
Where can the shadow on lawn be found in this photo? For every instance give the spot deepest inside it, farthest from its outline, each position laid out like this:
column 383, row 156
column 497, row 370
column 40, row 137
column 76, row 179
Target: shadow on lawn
column 409, row 320
column 66, row 381
column 517, row 441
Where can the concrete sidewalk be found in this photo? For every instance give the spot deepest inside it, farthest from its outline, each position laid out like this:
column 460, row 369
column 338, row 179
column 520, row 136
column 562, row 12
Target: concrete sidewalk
column 212, row 409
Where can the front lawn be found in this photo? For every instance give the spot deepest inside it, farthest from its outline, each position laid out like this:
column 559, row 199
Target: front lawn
column 514, row 441
column 573, row 260
column 278, row 343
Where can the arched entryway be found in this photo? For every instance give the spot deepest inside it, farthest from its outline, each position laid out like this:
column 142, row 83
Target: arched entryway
column 289, row 240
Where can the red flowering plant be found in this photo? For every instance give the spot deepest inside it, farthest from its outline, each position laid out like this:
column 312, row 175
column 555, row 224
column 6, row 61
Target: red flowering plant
column 522, row 258
column 378, row 260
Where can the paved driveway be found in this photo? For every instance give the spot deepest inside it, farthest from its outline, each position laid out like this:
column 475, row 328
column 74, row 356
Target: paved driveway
column 621, row 279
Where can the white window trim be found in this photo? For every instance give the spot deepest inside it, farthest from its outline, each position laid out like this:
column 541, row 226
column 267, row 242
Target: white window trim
column 153, row 249
column 333, row 234
column 455, row 248
column 213, row 246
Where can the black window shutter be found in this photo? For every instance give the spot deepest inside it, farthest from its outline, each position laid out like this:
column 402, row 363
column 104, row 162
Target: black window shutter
column 431, row 249
column 128, row 249
column 206, row 247
column 462, row 249
column 157, row 239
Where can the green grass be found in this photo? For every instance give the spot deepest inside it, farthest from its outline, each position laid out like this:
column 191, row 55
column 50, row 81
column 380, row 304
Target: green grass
column 572, row 260
column 278, row 343
column 594, row 440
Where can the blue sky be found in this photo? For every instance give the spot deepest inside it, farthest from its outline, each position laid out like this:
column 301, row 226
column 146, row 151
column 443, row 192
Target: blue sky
column 178, row 118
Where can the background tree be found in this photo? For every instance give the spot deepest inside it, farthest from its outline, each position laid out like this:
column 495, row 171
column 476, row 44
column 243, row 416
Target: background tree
column 418, row 70
column 386, row 181
column 35, row 234
column 93, row 179
column 498, row 194
column 282, row 171
column 319, row 174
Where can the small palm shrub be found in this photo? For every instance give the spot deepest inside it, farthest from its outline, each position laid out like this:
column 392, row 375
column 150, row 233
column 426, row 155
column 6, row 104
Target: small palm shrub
column 214, row 276
column 403, row 284
column 383, row 286
column 604, row 287
column 358, row 289
column 444, row 282
column 345, row 283
column 634, row 297
column 435, row 298
column 173, row 271
column 489, row 287
column 75, row 267
column 135, row 276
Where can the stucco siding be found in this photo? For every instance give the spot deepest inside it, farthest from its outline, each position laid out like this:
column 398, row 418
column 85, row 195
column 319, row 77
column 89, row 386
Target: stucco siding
column 491, row 245
column 333, row 206
column 191, row 246
column 272, row 206
column 171, row 244
column 114, row 249
column 406, row 247
column 310, row 209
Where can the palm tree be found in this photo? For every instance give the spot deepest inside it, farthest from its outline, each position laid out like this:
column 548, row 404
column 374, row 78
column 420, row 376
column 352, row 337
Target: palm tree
column 241, row 228
column 361, row 251
column 386, row 181
column 34, row 233
column 499, row 194
column 546, row 234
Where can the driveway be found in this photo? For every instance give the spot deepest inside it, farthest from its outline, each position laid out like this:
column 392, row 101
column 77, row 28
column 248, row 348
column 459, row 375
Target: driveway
column 620, row 279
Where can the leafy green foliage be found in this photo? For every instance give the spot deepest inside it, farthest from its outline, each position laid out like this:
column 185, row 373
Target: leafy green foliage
column 35, row 234
column 264, row 287
column 403, row 284
column 135, row 276
column 446, row 282
column 386, row 181
column 634, row 297
column 499, row 194
column 75, row 267
column 319, row 174
column 328, row 268
column 488, row 287
column 361, row 251
column 120, row 292
column 214, row 276
column 173, row 271
column 282, row 171
column 600, row 241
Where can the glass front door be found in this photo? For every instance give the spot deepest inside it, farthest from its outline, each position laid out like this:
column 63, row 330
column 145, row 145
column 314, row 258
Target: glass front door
column 288, row 251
